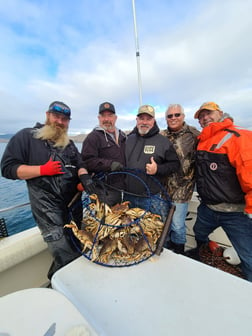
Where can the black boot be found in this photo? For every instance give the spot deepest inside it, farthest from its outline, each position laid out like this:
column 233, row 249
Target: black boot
column 167, row 245
column 179, row 248
column 194, row 253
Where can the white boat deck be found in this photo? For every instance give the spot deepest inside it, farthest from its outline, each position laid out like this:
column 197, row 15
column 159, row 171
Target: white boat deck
column 33, row 311
column 167, row 295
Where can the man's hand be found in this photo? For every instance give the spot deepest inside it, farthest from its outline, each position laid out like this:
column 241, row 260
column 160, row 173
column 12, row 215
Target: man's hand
column 151, row 168
column 115, row 165
column 88, row 183
column 51, row 168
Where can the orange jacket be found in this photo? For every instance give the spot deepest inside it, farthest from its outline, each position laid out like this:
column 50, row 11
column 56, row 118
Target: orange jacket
column 223, row 139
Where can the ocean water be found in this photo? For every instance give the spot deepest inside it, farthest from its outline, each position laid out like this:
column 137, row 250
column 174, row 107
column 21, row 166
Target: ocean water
column 12, row 194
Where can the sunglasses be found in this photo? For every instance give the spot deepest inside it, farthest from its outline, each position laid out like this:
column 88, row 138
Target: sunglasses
column 169, row 116
column 56, row 108
column 59, row 109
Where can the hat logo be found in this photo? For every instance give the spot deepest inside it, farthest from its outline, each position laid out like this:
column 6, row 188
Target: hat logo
column 106, row 105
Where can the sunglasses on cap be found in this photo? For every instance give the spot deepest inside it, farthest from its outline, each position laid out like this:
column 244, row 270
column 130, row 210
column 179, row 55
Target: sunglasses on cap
column 169, row 116
column 59, row 109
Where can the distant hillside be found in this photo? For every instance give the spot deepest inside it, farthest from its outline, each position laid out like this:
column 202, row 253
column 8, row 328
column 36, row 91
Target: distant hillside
column 5, row 137
column 78, row 138
column 75, row 138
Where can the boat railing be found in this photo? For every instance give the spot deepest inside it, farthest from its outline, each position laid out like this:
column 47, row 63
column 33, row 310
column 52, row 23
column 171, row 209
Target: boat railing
column 17, row 250
column 14, row 207
column 3, row 226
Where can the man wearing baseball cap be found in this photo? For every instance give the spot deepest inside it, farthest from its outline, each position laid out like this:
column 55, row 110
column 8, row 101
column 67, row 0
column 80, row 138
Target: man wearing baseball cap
column 103, row 152
column 50, row 163
column 224, row 182
column 150, row 154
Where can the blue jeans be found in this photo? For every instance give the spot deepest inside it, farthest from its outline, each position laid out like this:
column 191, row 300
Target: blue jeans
column 178, row 228
column 238, row 228
column 153, row 204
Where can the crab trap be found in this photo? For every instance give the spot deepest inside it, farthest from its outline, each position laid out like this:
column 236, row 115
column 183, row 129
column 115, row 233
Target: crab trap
column 128, row 232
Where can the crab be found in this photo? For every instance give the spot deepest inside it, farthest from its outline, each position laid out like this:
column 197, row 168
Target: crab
column 118, row 233
column 128, row 241
column 85, row 237
column 135, row 212
column 101, row 209
column 109, row 246
column 90, row 224
column 144, row 243
column 113, row 219
column 120, row 208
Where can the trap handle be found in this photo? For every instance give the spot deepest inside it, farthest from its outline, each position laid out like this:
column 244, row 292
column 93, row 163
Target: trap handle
column 165, row 230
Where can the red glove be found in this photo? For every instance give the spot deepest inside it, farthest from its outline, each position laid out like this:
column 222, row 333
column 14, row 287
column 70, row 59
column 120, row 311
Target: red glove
column 51, row 168
column 80, row 187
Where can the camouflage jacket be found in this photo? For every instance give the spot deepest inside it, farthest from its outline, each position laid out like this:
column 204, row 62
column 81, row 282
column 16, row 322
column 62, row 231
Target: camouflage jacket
column 180, row 185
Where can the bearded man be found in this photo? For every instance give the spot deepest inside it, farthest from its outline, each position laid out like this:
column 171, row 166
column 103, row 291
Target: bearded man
column 50, row 163
column 103, row 152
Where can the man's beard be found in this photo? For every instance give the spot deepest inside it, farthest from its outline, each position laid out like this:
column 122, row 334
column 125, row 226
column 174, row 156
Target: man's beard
column 143, row 130
column 53, row 132
column 109, row 127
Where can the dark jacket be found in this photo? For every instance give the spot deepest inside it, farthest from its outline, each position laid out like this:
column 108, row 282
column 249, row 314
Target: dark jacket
column 49, row 195
column 100, row 149
column 140, row 149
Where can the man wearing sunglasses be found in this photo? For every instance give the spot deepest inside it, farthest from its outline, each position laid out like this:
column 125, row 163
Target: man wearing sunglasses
column 180, row 184
column 50, row 163
column 224, row 182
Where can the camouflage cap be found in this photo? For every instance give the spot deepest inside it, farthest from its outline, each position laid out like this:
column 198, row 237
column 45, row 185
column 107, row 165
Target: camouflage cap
column 148, row 109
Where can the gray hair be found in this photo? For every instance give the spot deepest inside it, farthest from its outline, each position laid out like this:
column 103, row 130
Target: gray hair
column 174, row 106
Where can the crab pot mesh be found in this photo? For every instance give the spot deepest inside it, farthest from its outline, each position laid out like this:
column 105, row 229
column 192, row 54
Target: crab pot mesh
column 123, row 234
column 216, row 259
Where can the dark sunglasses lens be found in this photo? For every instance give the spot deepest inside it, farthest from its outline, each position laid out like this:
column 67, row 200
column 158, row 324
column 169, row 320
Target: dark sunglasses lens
column 173, row 115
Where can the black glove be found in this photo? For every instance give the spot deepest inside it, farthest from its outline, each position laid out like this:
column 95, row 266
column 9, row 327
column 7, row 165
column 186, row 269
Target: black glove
column 116, row 166
column 88, row 183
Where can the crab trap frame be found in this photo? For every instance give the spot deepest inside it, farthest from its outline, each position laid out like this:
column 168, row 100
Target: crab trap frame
column 123, row 234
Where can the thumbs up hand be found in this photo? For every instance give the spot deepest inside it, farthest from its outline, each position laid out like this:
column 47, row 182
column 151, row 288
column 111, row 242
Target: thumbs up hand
column 151, row 168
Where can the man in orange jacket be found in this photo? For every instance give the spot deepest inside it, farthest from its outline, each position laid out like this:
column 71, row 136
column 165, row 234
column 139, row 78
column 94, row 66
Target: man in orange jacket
column 224, row 181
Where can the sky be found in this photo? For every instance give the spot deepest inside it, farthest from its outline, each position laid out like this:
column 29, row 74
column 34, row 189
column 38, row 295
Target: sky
column 83, row 52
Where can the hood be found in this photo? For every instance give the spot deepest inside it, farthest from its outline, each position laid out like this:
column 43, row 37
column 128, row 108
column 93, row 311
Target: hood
column 226, row 116
column 39, row 125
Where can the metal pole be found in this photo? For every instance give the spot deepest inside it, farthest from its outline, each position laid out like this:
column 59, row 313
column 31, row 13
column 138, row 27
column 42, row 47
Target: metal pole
column 137, row 54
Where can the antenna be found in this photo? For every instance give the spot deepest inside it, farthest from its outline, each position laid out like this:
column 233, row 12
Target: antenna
column 137, row 54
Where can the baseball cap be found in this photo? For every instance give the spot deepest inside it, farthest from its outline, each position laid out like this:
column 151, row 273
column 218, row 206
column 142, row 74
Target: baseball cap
column 211, row 106
column 107, row 107
column 60, row 107
column 148, row 109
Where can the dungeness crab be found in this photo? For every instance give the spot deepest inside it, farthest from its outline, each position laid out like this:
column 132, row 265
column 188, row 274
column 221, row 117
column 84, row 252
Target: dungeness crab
column 118, row 234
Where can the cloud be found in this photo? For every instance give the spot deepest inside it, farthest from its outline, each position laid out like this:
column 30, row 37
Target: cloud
column 83, row 53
